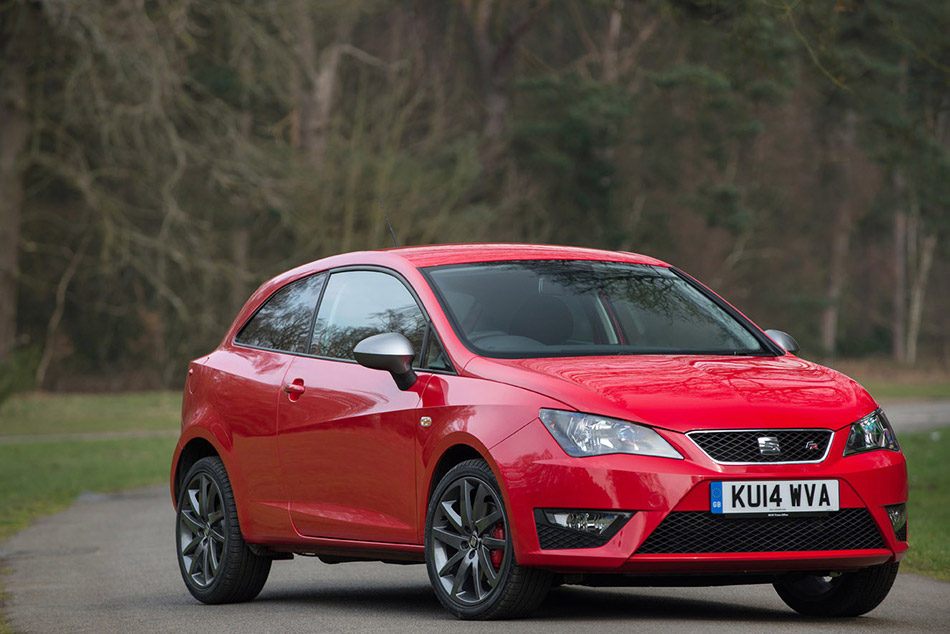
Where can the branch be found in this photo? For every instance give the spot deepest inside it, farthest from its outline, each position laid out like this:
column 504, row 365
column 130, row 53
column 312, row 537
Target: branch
column 511, row 38
column 56, row 318
column 788, row 8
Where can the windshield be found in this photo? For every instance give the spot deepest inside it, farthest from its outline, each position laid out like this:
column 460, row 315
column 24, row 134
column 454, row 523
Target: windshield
column 569, row 308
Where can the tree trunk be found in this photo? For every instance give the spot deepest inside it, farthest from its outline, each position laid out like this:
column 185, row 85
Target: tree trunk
column 899, row 326
column 841, row 228
column 14, row 133
column 52, row 327
column 840, row 246
column 918, row 291
column 317, row 79
column 494, row 64
column 611, row 69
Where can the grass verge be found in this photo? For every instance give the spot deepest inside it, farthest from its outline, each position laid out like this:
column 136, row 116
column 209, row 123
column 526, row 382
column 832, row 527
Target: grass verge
column 886, row 380
column 928, row 466
column 922, row 391
column 5, row 627
column 85, row 413
column 43, row 477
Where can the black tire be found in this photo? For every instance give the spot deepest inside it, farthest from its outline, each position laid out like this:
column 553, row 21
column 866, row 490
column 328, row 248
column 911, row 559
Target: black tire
column 215, row 562
column 469, row 552
column 849, row 594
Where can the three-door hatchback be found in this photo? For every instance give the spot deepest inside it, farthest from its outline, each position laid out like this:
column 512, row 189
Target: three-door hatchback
column 516, row 416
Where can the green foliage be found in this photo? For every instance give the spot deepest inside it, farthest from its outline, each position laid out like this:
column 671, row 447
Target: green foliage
column 565, row 132
column 171, row 155
column 722, row 207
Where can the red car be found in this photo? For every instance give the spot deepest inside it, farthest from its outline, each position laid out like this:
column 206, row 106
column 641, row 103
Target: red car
column 516, row 416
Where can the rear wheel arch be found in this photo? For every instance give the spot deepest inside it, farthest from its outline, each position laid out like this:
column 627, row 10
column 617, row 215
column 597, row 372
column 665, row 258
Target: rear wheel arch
column 195, row 450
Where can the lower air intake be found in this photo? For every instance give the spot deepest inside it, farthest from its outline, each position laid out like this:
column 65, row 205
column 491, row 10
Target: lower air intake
column 557, row 538
column 703, row 532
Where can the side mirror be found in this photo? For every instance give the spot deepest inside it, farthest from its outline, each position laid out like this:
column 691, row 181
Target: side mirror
column 783, row 339
column 388, row 351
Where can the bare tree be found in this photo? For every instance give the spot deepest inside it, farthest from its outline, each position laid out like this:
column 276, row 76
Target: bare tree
column 18, row 25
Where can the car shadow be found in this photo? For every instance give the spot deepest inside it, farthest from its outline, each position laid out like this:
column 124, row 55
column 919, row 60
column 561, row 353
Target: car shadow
column 563, row 604
column 578, row 603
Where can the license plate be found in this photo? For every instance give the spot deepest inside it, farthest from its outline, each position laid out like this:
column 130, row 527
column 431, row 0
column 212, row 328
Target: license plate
column 773, row 497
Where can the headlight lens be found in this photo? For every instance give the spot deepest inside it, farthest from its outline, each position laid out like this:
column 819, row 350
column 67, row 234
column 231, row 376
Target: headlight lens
column 870, row 433
column 588, row 435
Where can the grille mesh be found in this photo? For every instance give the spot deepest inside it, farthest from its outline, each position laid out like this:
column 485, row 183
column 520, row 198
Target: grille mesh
column 557, row 538
column 702, row 532
column 800, row 445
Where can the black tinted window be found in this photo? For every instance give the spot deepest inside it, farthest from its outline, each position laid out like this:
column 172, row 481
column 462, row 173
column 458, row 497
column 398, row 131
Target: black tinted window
column 358, row 304
column 436, row 359
column 283, row 322
column 578, row 308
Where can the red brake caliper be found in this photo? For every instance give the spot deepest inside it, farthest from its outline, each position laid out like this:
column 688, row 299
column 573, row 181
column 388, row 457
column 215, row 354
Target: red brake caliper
column 497, row 555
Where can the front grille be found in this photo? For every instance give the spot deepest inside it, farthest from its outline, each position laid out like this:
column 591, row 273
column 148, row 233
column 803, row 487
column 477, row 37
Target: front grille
column 703, row 532
column 557, row 538
column 742, row 447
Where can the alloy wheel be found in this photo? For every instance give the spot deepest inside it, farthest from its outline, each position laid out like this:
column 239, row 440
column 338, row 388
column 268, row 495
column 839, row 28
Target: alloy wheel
column 469, row 540
column 201, row 530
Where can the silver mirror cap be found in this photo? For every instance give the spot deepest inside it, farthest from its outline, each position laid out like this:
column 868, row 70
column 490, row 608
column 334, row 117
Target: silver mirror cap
column 388, row 351
column 785, row 340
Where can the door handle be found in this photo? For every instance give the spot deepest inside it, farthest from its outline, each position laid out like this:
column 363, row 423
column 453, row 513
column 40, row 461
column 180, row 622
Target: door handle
column 295, row 389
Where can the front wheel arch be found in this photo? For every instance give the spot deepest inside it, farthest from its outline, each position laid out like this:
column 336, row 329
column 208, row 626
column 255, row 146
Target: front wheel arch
column 452, row 456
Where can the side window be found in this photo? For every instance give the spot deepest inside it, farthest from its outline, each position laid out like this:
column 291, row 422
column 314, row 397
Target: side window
column 283, row 322
column 358, row 304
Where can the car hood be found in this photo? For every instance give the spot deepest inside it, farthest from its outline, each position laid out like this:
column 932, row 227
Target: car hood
column 685, row 392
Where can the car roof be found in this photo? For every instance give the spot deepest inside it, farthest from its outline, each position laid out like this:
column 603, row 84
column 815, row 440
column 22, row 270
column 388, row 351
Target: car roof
column 444, row 254
column 438, row 255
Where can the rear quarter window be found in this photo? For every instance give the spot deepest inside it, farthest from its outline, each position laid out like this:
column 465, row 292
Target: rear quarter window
column 284, row 321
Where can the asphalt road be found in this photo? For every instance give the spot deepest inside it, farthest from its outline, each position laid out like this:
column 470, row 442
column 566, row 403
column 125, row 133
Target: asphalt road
column 108, row 565
column 913, row 416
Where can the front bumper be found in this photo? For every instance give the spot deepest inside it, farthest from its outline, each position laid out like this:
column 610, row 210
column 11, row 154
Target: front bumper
column 665, row 495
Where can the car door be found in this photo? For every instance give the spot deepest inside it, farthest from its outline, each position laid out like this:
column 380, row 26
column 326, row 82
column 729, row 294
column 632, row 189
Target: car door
column 248, row 377
column 346, row 433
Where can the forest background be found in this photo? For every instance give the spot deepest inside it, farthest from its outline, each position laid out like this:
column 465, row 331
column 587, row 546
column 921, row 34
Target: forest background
column 161, row 158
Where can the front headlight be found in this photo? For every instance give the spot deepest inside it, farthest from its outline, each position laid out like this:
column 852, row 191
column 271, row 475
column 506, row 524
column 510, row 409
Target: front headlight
column 870, row 433
column 588, row 435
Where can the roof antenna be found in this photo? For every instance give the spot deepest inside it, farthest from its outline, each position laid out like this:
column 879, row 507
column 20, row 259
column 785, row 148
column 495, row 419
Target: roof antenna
column 388, row 224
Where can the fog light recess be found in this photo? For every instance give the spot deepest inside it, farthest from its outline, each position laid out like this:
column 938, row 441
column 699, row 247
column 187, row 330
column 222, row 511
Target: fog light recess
column 577, row 528
column 897, row 513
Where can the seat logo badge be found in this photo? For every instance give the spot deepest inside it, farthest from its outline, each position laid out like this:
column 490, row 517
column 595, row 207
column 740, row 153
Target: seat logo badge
column 425, row 421
column 811, row 445
column 768, row 446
